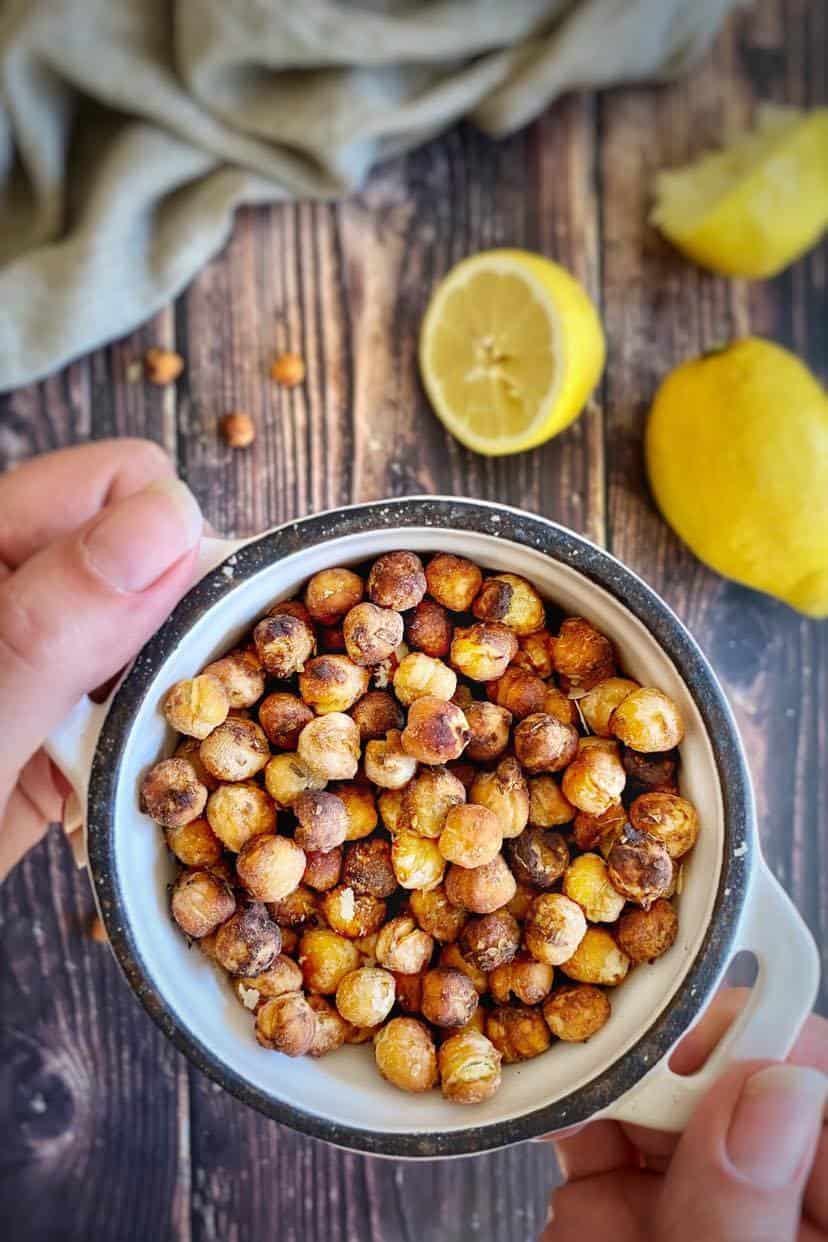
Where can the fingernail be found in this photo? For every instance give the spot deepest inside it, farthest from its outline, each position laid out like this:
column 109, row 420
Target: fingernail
column 137, row 540
column 776, row 1123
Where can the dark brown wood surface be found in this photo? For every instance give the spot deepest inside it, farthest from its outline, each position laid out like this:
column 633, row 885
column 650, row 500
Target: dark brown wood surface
column 108, row 1135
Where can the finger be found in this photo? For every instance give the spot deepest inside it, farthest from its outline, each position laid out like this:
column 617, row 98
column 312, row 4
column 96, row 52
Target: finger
column 597, row 1148
column 51, row 496
column 697, row 1045
column 616, row 1205
column 34, row 803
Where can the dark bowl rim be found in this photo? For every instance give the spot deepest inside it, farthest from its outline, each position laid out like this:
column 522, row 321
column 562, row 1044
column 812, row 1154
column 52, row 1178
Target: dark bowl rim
column 507, row 524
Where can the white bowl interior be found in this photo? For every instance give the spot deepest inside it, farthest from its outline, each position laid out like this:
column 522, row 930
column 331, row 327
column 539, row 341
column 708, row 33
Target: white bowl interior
column 345, row 1087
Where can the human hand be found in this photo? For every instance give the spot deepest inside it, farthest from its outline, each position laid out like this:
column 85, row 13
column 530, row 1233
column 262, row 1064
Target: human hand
column 752, row 1165
column 97, row 544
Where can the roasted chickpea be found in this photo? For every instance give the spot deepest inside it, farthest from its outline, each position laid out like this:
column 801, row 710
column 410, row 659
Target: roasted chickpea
column 236, row 750
column 576, row 1012
column 291, row 608
column 525, row 894
column 397, row 581
column 371, row 634
column 594, row 780
column 194, row 844
column 517, row 1032
column 511, row 600
column 506, row 794
column 366, row 996
column 548, row 808
column 361, row 807
column 590, row 830
column 489, row 726
column 201, row 902
column 238, row 812
column 270, row 867
column 453, row 581
column 436, row 731
column 555, row 926
column 287, row 1024
column 471, row 835
column 582, row 655
column 389, row 805
column 469, row 1067
column 242, row 676
column 367, row 946
column 673, row 820
column 656, row 772
column 427, row 800
column 528, row 980
column 290, row 941
column 520, row 692
column 405, row 1055
column 428, row 629
column 557, row 704
column 322, row 870
column 283, row 716
column 409, row 991
column 544, row 744
column 331, row 641
column 386, row 762
column 353, row 914
column 597, row 959
column 437, row 915
column 449, row 997
column 280, row 977
column 418, row 674
column 323, row 820
column 452, row 959
column 404, row 947
column 331, row 593
column 586, row 881
column 645, row 934
column 361, row 1034
column 172, row 794
column 535, row 654
column 329, row 745
column 332, row 683
column 248, row 942
column 376, row 714
column 299, row 910
column 325, row 959
column 483, row 652
column 189, row 749
column 331, row 1029
column 367, row 868
column 417, row 861
column 647, row 720
column 197, row 706
column 608, row 745
column 538, row 857
column 598, row 704
column 481, row 889
column 491, row 940
column 287, row 776
column 283, row 643
column 463, row 696
column 640, row 867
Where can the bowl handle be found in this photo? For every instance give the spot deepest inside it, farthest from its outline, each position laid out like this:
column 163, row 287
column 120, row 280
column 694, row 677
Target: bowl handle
column 781, row 998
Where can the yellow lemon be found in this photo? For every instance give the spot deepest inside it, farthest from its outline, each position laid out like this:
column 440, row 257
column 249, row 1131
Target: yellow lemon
column 737, row 454
column 510, row 348
column 752, row 208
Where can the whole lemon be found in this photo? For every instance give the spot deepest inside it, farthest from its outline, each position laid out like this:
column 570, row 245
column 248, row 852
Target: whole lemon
column 737, row 455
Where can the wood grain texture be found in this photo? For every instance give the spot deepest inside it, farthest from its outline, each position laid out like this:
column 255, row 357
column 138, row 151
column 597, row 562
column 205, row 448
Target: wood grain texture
column 108, row 1135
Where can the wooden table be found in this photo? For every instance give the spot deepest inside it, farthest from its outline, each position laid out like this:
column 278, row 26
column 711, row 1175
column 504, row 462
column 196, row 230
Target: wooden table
column 108, row 1135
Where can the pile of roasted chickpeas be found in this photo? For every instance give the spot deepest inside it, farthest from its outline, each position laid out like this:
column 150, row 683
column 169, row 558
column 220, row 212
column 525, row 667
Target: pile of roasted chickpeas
column 418, row 809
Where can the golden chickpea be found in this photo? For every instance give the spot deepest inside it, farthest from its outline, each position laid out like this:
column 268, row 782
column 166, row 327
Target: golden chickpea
column 409, row 991
column 406, row 1056
column 397, row 581
column 196, row 706
column 194, row 844
column 528, row 980
column 367, row 946
column 582, row 655
column 490, row 940
column 586, row 881
column 598, row 704
column 283, row 643
column 323, row 820
column 417, row 861
column 322, row 870
column 452, row 959
column 535, row 654
column 428, row 629
column 645, row 934
column 288, row 370
column 427, row 799
column 404, row 947
column 361, row 808
column 608, row 745
column 517, row 1032
column 538, row 857
column 329, row 745
column 656, row 772
column 483, row 652
column 201, row 902
column 172, row 794
column 640, row 867
column 589, row 830
column 300, row 909
column 544, row 744
column 418, row 674
column 597, row 959
column 366, row 996
column 325, row 958
column 555, row 926
column 481, row 889
column 386, row 762
column 520, row 692
column 436, row 731
column 331, row 593
column 449, row 997
column 280, row 977
column 489, row 726
column 332, row 683
column 351, row 914
column 367, row 868
column 453, row 581
column 647, row 720
column 287, row 1024
column 471, row 836
column 283, row 716
column 389, row 805
column 248, row 942
column 287, row 776
column 594, row 780
column 512, row 601
column 673, row 820
column 270, row 867
column 189, row 750
column 548, row 808
column 557, row 704
column 469, row 1067
column 376, row 714
column 525, row 894
column 236, row 750
column 576, row 1012
column 242, row 676
column 238, row 812
column 506, row 794
column 331, row 1029
column 371, row 634
column 437, row 915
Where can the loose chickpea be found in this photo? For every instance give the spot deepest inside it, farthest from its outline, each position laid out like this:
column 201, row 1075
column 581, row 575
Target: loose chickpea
column 544, row 744
column 300, row 909
column 645, row 934
column 353, row 914
column 201, row 902
column 589, row 830
column 367, row 868
column 647, row 720
column 481, row 889
column 194, row 844
column 576, row 1012
column 323, row 820
column 453, row 581
column 483, row 652
column 640, row 867
column 489, row 726
column 535, row 654
column 397, row 581
column 287, row 1024
column 322, row 870
column 469, row 1067
column 427, row 800
column 361, row 807
column 248, row 942
column 471, row 836
column 283, row 716
column 538, row 857
column 491, row 940
column 332, row 683
column 406, row 1056
column 325, row 958
column 449, row 997
column 189, row 749
column 365, row 996
column 417, row 861
column 418, row 674
column 437, row 915
column 428, row 629
column 389, row 805
column 238, row 812
column 506, row 794
column 331, row 1029
column 598, row 704
column 519, row 691
column 597, row 959
column 525, row 894
column 331, row 593
column 594, row 780
column 371, row 634
column 557, row 704
column 517, row 1032
column 555, row 926
column 172, row 794
column 673, row 820
column 270, row 867
column 196, row 706
column 376, row 714
column 548, row 808
column 404, row 947
column 291, row 608
column 528, row 980
column 242, row 676
column 436, row 731
column 283, row 643
column 582, row 655
column 329, row 745
column 280, row 977
column 656, row 772
column 409, row 991
column 288, row 370
column 386, row 762
column 512, row 601
column 287, row 776
column 236, row 750
column 587, row 882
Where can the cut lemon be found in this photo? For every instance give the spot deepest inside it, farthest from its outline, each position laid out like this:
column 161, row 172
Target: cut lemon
column 752, row 208
column 510, row 348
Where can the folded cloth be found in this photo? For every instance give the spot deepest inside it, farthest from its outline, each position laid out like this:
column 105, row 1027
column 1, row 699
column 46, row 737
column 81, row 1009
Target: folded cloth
column 131, row 129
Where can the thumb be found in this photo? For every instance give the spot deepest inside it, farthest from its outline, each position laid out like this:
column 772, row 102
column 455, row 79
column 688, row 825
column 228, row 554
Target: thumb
column 741, row 1165
column 73, row 614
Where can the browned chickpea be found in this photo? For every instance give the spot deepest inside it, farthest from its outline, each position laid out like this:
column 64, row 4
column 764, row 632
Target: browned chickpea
column 597, row 959
column 238, row 812
column 656, row 772
column 511, row 600
column 555, row 926
column 449, row 997
column 647, row 720
column 483, row 652
column 196, row 706
column 194, row 844
column 428, row 629
column 366, row 996
column 489, row 726
column 481, row 889
column 236, row 750
column 389, row 805
column 436, row 731
column 290, row 941
column 331, row 593
column 397, row 581
column 588, row 830
column 224, row 870
column 452, row 959
column 376, row 714
column 283, row 643
column 280, row 977
column 404, row 947
column 201, row 902
column 645, row 934
column 594, row 780
column 418, row 675
column 673, row 820
column 437, row 915
column 331, row 1028
column 188, row 749
column 506, row 794
column 548, row 808
column 323, row 820
column 331, row 641
column 544, row 744
column 528, row 980
column 286, row 1024
column 287, row 776
column 538, row 856
column 640, row 867
column 386, row 762
column 520, row 692
column 535, row 654
column 329, row 745
column 406, row 1056
column 291, row 608
column 586, row 881
column 361, row 807
column 417, row 861
column 558, row 705
column 471, row 836
column 283, row 716
column 598, row 704
column 325, row 958
column 332, row 683
column 427, row 799
column 299, row 910
column 367, row 868
column 453, row 581
column 517, row 1032
column 242, row 675
column 322, row 870
column 463, row 696
column 270, row 867
column 491, row 940
column 582, row 655
column 576, row 1012
column 525, row 894
column 409, row 991
column 352, row 914
column 372, row 634
column 172, row 794
column 248, row 941
column 469, row 1067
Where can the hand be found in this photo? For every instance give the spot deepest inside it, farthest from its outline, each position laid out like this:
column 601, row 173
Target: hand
column 97, row 544
column 752, row 1165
